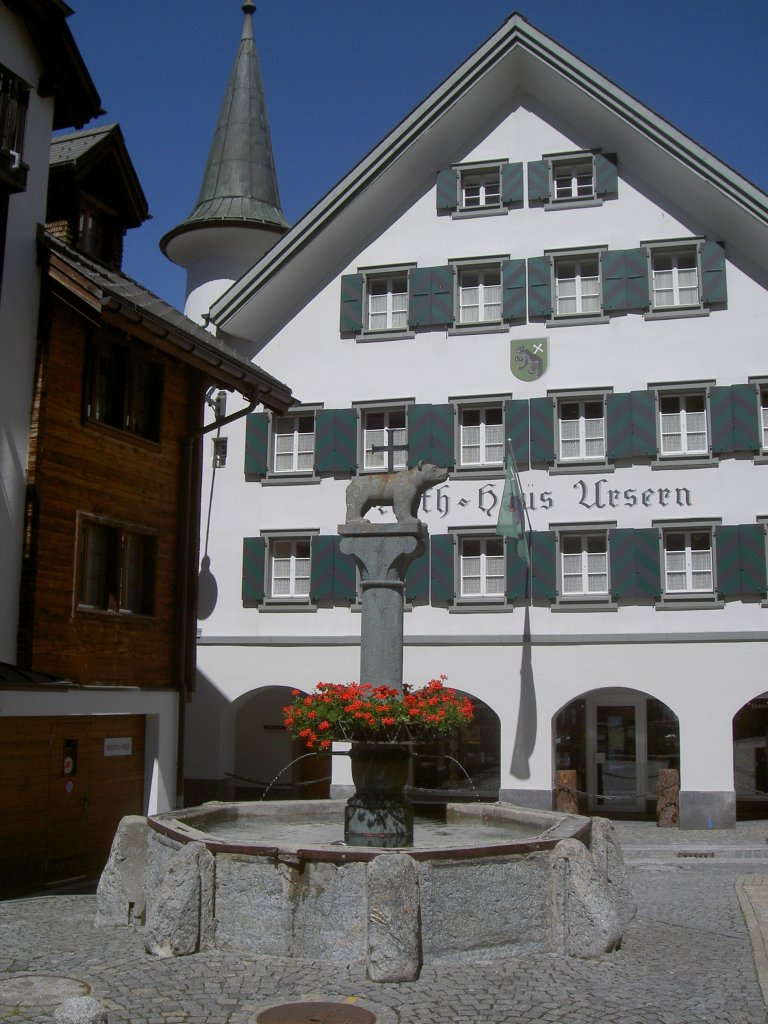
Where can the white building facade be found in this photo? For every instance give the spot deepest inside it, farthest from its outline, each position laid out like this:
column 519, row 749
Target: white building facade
column 531, row 257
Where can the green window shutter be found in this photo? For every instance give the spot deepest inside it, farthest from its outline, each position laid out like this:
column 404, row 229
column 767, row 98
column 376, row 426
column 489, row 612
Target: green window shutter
column 618, row 411
column 516, row 430
column 638, row 294
column 621, row 546
column 516, row 571
column 333, row 576
column 256, row 445
column 606, row 176
column 430, row 298
column 543, row 565
column 512, row 184
column 351, row 315
column 542, row 430
column 336, row 441
column 431, row 435
column 728, row 568
column 735, row 419
column 624, row 274
column 745, row 403
column 647, row 563
column 254, row 550
column 539, row 286
column 442, row 296
column 741, row 564
column 538, row 181
column 419, row 296
column 513, row 289
column 322, row 551
column 635, row 563
column 644, row 436
column 631, row 425
column 417, row 579
column 752, row 559
column 714, row 291
column 721, row 419
column 447, row 189
column 344, row 575
column 442, row 568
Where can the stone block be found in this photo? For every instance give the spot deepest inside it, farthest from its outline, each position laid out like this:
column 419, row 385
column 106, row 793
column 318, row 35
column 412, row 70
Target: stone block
column 609, row 864
column 121, row 894
column 585, row 919
column 394, row 934
column 80, row 1010
column 180, row 912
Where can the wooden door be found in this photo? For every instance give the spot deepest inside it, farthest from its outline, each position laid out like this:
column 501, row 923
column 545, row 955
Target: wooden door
column 66, row 783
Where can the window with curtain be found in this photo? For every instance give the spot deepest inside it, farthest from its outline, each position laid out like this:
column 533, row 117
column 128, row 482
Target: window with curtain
column 482, row 436
column 294, row 443
column 479, row 295
column 675, row 278
column 289, row 568
column 482, row 567
column 385, row 443
column 583, row 564
column 688, row 561
column 581, row 424
column 577, row 286
column 683, row 422
column 387, row 302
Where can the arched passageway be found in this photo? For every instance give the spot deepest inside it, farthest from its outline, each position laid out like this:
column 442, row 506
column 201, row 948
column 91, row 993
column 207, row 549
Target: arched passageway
column 462, row 766
column 616, row 741
column 268, row 762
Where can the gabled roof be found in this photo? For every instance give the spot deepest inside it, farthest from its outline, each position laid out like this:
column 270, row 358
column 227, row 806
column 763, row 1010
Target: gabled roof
column 517, row 58
column 65, row 75
column 103, row 148
column 115, row 295
column 240, row 182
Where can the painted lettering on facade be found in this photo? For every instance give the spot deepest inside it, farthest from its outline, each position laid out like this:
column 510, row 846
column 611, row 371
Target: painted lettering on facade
column 589, row 494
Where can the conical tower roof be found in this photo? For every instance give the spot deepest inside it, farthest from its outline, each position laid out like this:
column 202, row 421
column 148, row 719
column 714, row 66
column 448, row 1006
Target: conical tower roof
column 240, row 182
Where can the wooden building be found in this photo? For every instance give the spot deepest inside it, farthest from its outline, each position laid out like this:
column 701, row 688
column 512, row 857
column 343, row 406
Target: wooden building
column 90, row 713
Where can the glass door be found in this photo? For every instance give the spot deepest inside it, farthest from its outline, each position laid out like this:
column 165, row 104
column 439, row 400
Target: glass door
column 616, row 761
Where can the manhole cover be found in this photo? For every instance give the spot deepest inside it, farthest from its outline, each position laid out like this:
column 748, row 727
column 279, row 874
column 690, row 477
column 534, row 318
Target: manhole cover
column 40, row 990
column 316, row 1013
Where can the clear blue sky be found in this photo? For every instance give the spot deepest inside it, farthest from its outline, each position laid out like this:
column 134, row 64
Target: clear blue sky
column 340, row 74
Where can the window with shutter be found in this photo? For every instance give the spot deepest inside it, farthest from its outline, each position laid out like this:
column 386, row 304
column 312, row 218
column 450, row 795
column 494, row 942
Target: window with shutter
column 581, row 429
column 688, row 566
column 583, row 565
column 481, row 436
column 683, row 426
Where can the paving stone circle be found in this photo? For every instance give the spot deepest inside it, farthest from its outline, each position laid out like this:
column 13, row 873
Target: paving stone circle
column 316, row 1013
column 40, row 990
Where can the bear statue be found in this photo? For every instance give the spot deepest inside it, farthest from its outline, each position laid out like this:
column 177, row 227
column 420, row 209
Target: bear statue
column 402, row 490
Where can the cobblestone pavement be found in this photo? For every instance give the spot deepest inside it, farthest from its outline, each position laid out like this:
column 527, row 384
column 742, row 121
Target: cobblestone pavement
column 687, row 958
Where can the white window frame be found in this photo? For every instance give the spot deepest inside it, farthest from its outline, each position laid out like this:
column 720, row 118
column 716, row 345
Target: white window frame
column 486, row 297
column 569, row 171
column 378, row 461
column 584, row 565
column 395, row 305
column 490, row 576
column 675, row 284
column 688, row 426
column 764, row 415
column 298, row 444
column 586, row 427
column 586, row 286
column 487, row 180
column 687, row 567
column 295, row 568
column 485, row 439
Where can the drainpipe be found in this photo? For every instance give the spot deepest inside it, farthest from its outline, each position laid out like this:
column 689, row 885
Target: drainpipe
column 187, row 630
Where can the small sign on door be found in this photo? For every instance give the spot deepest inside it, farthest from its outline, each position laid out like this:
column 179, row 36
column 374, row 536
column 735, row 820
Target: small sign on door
column 120, row 746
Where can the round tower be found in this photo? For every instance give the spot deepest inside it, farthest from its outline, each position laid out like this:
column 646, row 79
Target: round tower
column 237, row 217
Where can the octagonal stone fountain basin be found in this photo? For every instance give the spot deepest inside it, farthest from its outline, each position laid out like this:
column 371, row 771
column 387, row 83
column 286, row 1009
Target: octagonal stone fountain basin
column 276, row 879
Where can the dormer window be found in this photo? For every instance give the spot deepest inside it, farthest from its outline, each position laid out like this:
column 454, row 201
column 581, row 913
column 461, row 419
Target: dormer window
column 14, row 99
column 96, row 231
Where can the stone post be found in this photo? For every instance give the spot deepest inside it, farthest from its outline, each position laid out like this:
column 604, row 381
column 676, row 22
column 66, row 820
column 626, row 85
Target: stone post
column 668, row 798
column 382, row 553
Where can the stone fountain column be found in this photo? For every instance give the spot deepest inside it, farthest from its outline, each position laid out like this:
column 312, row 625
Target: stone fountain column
column 379, row 814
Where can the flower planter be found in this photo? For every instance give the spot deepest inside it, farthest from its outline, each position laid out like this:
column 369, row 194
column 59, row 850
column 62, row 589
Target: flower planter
column 379, row 814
